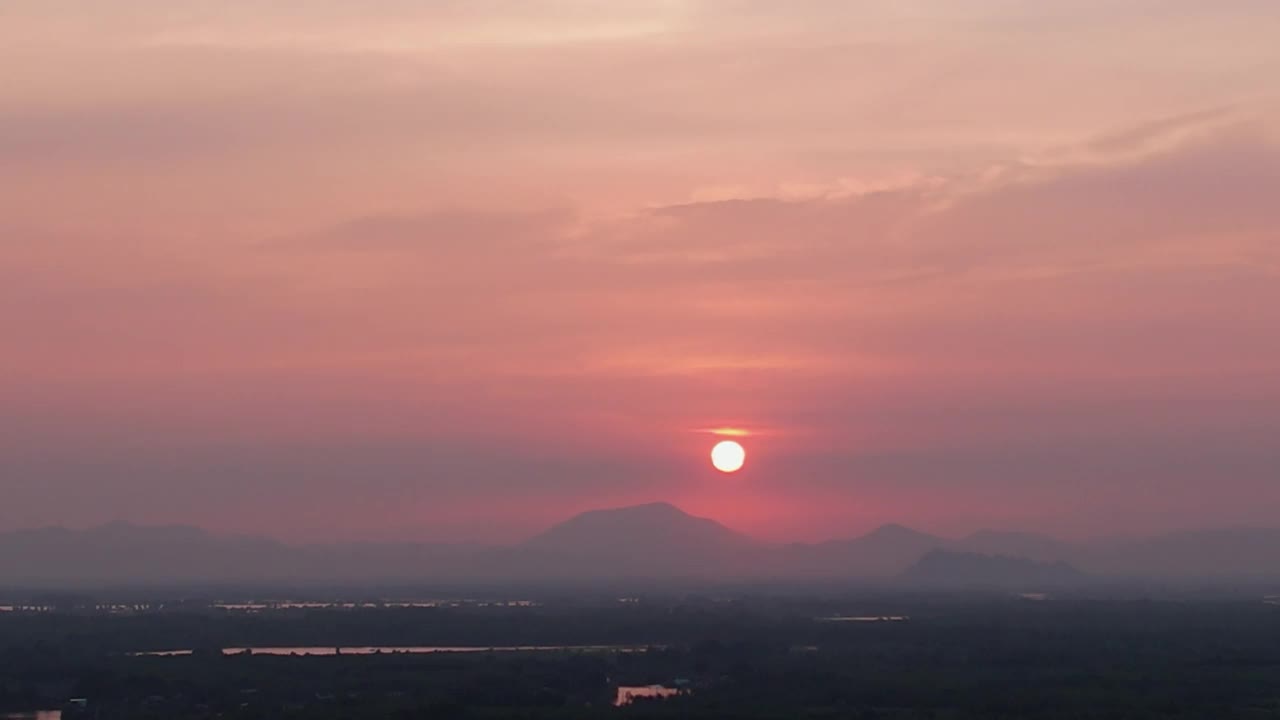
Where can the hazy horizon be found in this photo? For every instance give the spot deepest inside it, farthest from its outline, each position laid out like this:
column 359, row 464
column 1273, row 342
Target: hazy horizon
column 456, row 271
column 638, row 546
column 853, row 534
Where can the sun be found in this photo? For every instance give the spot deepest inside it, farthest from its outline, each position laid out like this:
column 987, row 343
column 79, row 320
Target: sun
column 727, row 456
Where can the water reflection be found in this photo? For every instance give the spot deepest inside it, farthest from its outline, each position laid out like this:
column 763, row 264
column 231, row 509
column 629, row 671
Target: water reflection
column 258, row 606
column 34, row 715
column 628, row 694
column 865, row 618
column 389, row 649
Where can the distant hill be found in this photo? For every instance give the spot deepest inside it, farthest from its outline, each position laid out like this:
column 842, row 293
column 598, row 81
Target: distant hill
column 964, row 569
column 121, row 552
column 1202, row 554
column 134, row 554
column 654, row 527
column 1019, row 544
column 882, row 552
column 653, row 541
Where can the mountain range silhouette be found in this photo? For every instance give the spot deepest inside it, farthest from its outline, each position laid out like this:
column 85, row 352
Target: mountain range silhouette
column 654, row 541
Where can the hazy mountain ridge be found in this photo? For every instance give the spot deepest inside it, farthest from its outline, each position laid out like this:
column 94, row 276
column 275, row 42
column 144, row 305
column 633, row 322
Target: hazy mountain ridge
column 650, row 540
column 1021, row 544
column 656, row 540
column 948, row 568
column 883, row 552
column 651, row 527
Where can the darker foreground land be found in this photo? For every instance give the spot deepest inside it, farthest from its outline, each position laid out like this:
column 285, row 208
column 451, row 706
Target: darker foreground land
column 958, row 656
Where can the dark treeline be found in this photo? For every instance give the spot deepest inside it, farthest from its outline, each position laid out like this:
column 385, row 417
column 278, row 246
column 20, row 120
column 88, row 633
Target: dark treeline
column 956, row 657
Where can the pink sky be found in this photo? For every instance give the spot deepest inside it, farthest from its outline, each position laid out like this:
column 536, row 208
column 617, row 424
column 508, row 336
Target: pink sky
column 458, row 269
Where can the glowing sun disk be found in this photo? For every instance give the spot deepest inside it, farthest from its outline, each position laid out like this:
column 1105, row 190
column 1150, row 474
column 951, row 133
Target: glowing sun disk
column 727, row 456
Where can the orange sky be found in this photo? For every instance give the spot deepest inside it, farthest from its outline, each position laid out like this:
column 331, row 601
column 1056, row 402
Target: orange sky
column 388, row 268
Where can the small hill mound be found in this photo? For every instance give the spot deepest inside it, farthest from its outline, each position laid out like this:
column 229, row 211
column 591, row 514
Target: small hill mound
column 965, row 569
column 650, row 528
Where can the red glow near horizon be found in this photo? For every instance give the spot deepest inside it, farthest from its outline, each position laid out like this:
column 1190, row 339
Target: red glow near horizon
column 1044, row 297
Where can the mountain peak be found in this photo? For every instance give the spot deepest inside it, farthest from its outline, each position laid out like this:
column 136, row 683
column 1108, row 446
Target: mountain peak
column 123, row 529
column 944, row 567
column 894, row 531
column 657, row 508
column 649, row 527
column 1007, row 542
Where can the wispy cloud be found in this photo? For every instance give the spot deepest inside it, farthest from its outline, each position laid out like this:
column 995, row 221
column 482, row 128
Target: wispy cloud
column 928, row 245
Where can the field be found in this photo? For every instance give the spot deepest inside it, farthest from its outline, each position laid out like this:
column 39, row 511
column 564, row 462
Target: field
column 747, row 656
